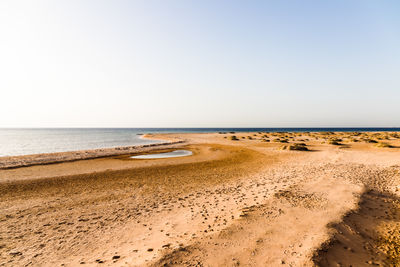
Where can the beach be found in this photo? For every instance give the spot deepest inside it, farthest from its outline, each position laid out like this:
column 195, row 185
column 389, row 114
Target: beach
column 241, row 199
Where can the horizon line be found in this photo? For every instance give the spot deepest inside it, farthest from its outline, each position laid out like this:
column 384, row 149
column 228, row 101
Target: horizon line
column 225, row 127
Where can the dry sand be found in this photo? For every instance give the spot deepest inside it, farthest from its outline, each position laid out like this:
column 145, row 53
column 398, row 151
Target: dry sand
column 233, row 203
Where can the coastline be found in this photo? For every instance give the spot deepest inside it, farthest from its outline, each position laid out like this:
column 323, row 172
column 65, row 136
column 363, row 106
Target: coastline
column 10, row 162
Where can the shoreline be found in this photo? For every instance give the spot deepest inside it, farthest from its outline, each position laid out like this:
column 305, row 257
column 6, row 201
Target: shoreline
column 167, row 141
column 12, row 162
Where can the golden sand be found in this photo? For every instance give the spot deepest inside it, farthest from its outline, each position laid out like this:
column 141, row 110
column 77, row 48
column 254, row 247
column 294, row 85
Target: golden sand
column 236, row 201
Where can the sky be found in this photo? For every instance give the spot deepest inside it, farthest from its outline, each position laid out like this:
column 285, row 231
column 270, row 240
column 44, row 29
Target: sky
column 170, row 63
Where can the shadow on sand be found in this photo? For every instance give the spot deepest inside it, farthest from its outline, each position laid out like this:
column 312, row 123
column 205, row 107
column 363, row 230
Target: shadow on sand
column 369, row 236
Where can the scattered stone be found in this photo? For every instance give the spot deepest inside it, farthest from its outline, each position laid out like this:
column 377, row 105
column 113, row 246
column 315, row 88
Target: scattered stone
column 15, row 253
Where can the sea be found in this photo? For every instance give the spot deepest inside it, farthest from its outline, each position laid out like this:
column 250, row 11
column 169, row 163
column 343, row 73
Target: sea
column 24, row 141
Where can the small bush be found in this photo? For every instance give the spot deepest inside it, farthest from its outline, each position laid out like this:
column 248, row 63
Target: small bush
column 234, row 138
column 298, row 147
column 326, row 133
column 335, row 143
column 384, row 145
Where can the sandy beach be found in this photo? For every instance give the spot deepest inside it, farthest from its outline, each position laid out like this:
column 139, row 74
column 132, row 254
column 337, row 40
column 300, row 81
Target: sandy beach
column 241, row 199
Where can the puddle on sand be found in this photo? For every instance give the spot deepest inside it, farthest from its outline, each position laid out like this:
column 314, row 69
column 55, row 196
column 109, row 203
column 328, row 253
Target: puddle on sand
column 173, row 154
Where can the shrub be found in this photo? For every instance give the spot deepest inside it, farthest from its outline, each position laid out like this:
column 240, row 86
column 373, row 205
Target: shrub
column 298, row 147
column 234, row 138
column 384, row 145
column 335, row 143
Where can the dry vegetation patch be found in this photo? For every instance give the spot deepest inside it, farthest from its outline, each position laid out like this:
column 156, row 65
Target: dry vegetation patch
column 296, row 147
column 384, row 145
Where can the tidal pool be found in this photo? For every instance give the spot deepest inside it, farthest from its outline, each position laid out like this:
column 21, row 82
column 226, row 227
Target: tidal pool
column 173, row 154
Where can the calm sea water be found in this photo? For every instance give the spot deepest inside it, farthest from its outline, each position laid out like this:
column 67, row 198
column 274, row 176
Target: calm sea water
column 35, row 141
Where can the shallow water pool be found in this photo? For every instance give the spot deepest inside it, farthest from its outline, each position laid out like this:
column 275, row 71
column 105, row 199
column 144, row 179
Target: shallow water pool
column 173, row 154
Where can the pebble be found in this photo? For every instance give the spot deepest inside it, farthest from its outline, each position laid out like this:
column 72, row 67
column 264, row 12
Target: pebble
column 15, row 253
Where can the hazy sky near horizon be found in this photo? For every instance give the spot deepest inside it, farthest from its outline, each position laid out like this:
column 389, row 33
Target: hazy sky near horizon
column 169, row 63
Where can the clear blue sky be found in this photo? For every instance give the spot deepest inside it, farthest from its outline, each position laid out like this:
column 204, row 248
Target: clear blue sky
column 199, row 63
